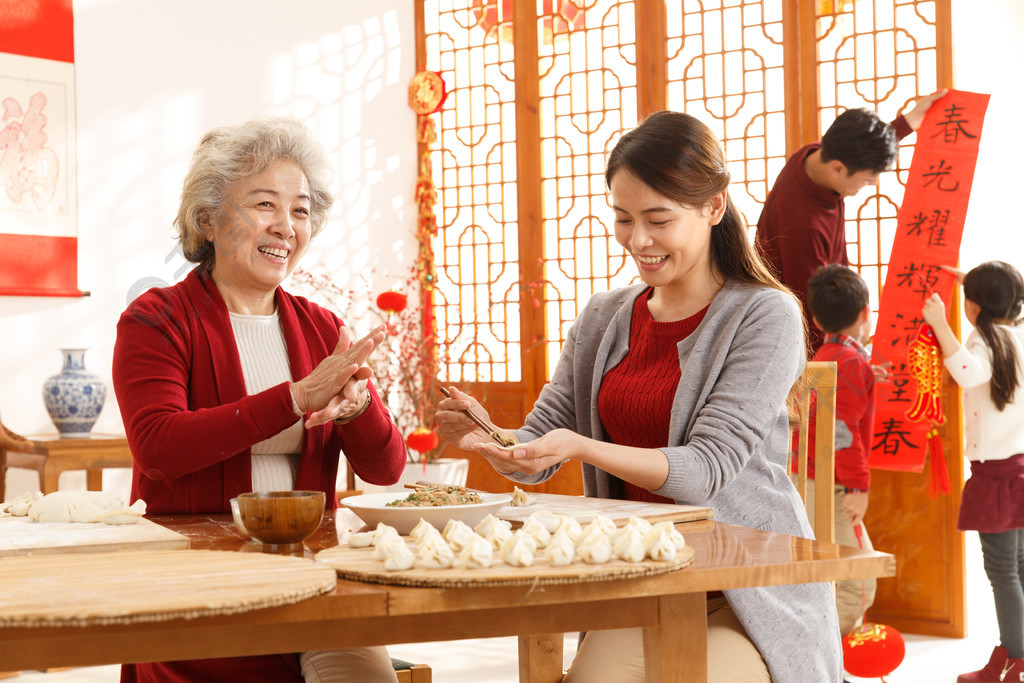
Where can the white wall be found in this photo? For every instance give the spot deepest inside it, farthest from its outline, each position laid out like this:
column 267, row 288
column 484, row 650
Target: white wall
column 987, row 55
column 152, row 77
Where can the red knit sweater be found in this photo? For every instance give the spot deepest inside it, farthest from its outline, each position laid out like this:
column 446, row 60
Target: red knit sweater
column 635, row 399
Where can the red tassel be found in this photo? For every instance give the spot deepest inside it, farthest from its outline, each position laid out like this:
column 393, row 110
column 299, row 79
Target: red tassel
column 940, row 476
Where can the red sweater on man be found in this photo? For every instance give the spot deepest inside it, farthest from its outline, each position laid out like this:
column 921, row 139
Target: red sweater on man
column 803, row 225
column 190, row 425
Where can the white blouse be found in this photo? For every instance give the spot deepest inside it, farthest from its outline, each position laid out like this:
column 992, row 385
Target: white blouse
column 989, row 434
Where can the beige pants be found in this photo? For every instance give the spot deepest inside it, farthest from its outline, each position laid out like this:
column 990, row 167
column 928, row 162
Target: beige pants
column 855, row 596
column 617, row 656
column 355, row 665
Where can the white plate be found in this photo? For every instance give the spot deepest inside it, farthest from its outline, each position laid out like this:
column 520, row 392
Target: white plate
column 371, row 509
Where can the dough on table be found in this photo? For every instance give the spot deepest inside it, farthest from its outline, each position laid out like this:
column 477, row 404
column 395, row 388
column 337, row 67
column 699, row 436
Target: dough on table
column 85, row 507
column 20, row 505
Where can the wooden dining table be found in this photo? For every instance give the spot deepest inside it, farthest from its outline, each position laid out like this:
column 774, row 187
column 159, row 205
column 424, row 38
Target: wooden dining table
column 669, row 607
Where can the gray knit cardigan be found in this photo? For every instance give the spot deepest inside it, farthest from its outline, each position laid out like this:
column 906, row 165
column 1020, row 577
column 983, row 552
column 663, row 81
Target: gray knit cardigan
column 728, row 445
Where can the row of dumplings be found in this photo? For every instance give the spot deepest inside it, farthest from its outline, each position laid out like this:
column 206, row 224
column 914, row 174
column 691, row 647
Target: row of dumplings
column 560, row 539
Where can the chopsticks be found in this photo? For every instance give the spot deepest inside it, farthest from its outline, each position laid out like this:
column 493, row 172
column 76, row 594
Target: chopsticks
column 491, row 430
column 420, row 485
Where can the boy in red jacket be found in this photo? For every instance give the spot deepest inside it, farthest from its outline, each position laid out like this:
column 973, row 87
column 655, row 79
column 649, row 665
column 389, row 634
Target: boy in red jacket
column 839, row 300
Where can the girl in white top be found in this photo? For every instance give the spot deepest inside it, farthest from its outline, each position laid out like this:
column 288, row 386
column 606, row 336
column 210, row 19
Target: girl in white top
column 989, row 368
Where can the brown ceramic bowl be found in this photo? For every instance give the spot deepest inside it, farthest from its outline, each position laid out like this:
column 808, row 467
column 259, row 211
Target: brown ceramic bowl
column 281, row 518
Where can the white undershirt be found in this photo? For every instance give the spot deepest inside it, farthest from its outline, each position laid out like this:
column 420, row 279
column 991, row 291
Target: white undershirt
column 264, row 356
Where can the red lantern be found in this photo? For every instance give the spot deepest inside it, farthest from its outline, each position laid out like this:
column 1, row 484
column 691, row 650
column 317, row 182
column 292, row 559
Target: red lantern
column 422, row 440
column 873, row 650
column 392, row 301
column 558, row 17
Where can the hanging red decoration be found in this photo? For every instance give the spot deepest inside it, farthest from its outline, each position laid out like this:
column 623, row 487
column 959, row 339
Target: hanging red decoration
column 427, row 92
column 422, row 440
column 924, row 358
column 873, row 650
column 392, row 302
column 558, row 18
column 940, row 474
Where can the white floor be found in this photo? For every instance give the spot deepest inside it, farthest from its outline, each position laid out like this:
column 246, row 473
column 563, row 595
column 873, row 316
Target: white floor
column 493, row 660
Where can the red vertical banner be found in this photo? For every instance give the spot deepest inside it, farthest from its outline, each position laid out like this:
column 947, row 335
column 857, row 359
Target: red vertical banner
column 38, row 195
column 929, row 228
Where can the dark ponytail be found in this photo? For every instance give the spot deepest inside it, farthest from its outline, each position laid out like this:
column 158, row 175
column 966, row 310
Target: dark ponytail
column 998, row 290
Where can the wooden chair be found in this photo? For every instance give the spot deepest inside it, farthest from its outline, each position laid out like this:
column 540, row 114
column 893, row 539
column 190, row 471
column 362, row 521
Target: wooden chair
column 412, row 673
column 49, row 455
column 819, row 379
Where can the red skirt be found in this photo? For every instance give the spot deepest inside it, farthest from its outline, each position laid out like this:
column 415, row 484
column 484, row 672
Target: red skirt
column 993, row 498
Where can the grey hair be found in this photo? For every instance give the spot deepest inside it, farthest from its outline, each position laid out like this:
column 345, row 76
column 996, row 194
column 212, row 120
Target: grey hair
column 230, row 153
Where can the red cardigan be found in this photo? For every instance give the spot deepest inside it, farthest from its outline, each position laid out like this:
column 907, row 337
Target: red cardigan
column 191, row 426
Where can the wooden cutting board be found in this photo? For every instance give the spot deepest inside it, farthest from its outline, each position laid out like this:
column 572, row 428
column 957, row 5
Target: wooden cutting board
column 21, row 536
column 359, row 564
column 151, row 585
column 583, row 509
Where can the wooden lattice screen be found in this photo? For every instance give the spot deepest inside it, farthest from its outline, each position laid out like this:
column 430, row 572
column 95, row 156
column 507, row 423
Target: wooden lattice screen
column 541, row 91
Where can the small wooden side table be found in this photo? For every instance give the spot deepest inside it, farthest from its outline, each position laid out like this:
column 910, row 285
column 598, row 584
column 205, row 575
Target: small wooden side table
column 52, row 455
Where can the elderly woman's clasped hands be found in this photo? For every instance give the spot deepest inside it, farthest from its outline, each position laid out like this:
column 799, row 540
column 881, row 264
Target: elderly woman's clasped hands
column 336, row 388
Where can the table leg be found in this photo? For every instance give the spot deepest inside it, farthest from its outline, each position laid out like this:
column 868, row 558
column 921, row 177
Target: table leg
column 49, row 476
column 540, row 658
column 94, row 480
column 676, row 649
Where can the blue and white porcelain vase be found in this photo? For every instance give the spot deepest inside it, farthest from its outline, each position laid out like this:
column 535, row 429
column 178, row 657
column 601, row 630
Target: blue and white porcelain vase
column 74, row 397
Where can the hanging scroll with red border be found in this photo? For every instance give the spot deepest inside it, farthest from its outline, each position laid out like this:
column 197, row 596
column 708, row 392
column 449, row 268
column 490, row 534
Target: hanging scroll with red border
column 38, row 202
column 929, row 228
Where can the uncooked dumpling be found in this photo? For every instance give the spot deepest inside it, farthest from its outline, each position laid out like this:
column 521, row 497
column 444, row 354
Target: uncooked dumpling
column 561, row 549
column 399, row 557
column 536, row 529
column 361, row 540
column 597, row 549
column 629, row 546
column 386, row 546
column 424, row 531
column 488, row 523
column 590, row 530
column 601, row 524
column 667, row 529
column 383, row 531
column 519, row 497
column 518, row 550
column 477, row 554
column 663, row 541
column 498, row 534
column 659, row 546
column 434, row 554
column 458, row 534
column 569, row 526
column 634, row 524
column 549, row 519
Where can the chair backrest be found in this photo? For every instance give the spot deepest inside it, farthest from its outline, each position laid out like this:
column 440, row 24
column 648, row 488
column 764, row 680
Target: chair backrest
column 819, row 379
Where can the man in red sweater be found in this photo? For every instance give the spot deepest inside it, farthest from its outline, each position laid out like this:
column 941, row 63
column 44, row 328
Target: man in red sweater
column 803, row 223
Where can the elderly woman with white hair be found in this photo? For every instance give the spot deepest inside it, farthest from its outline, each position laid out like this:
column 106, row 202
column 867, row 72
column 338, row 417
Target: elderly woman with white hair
column 227, row 383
